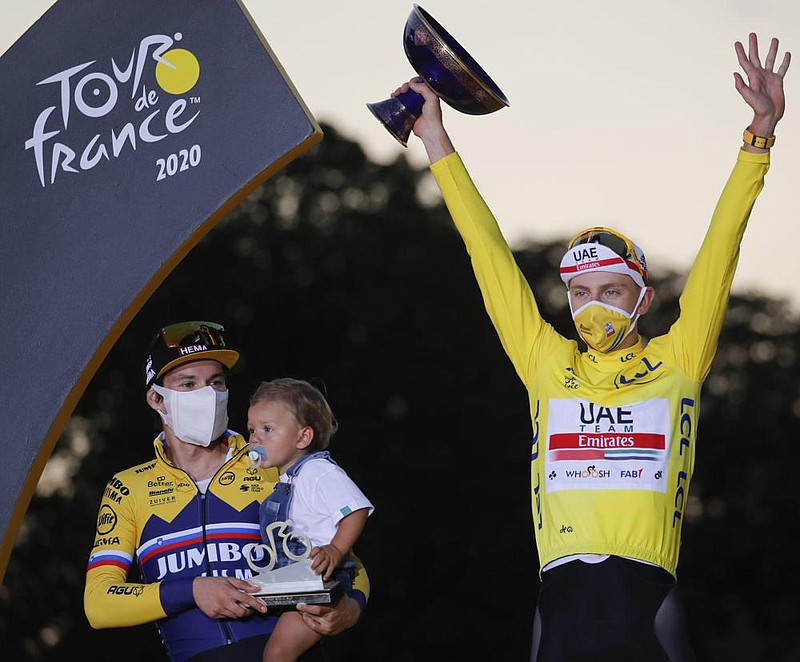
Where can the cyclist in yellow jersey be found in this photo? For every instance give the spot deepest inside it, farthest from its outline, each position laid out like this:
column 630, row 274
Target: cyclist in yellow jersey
column 614, row 426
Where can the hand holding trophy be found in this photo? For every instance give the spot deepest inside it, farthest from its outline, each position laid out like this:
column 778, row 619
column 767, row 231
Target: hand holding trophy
column 447, row 69
column 294, row 581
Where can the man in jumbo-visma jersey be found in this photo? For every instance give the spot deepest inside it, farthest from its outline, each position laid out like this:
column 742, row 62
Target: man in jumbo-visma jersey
column 187, row 517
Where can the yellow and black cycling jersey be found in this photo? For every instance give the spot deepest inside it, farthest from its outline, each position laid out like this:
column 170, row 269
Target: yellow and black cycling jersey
column 155, row 516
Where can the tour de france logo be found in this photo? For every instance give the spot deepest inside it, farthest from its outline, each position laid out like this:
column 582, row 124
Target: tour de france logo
column 151, row 89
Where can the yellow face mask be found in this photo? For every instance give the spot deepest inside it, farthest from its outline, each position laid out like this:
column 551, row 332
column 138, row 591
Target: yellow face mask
column 604, row 327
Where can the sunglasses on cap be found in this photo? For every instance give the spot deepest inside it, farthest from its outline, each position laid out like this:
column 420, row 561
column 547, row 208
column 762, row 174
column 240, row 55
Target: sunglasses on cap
column 189, row 333
column 618, row 243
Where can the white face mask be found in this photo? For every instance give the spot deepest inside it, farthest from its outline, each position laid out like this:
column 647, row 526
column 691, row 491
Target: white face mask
column 196, row 417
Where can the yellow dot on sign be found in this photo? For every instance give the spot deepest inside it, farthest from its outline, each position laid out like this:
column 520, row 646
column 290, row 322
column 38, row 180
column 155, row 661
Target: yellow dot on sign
column 182, row 75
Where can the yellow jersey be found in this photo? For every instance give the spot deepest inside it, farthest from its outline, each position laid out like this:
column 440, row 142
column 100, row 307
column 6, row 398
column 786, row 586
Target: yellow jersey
column 614, row 434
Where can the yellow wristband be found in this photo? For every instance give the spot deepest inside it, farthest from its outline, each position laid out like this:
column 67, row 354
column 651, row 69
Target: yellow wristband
column 757, row 141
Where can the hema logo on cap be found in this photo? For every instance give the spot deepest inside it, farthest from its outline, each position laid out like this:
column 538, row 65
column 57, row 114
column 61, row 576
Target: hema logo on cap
column 192, row 349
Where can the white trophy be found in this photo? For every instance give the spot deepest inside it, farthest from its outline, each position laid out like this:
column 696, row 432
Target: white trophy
column 292, row 583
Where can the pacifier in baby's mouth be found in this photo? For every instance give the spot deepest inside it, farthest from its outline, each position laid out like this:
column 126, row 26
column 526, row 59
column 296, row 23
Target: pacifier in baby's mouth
column 256, row 455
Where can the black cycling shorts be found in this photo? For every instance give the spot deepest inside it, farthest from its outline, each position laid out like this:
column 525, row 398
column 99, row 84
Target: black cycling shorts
column 617, row 610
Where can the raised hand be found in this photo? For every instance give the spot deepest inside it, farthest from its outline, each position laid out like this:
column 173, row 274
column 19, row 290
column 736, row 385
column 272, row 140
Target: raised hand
column 429, row 126
column 763, row 91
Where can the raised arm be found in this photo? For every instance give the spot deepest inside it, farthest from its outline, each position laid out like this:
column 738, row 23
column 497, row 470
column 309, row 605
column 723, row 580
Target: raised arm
column 705, row 296
column 763, row 91
column 507, row 296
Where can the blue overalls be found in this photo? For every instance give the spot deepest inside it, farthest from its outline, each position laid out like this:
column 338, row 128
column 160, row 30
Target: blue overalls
column 275, row 508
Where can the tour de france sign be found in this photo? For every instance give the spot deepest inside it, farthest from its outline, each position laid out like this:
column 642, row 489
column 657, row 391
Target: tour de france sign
column 128, row 130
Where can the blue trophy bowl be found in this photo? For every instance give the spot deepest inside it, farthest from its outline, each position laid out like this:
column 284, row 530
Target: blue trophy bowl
column 449, row 71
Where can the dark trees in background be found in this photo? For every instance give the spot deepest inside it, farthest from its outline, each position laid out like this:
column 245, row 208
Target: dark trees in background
column 349, row 274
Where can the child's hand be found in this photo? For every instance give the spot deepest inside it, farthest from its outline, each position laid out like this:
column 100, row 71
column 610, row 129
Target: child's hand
column 325, row 559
